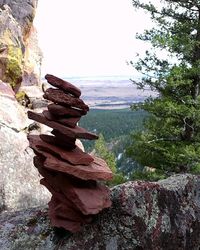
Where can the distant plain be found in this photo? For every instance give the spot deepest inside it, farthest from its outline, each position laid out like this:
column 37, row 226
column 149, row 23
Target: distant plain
column 110, row 92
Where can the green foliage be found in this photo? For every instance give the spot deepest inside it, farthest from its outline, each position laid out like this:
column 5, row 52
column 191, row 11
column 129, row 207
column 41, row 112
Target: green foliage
column 115, row 125
column 196, row 169
column 125, row 164
column 13, row 72
column 111, row 123
column 171, row 139
column 147, row 175
column 102, row 151
column 20, row 96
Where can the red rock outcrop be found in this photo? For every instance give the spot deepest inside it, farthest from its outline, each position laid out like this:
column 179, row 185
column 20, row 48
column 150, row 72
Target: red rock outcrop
column 71, row 175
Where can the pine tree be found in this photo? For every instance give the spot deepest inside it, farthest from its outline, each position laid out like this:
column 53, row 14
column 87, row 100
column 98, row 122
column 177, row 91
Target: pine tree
column 171, row 139
column 102, row 151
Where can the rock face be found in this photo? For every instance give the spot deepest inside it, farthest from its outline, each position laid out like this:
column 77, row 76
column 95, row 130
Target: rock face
column 20, row 57
column 19, row 186
column 70, row 174
column 20, row 60
column 147, row 216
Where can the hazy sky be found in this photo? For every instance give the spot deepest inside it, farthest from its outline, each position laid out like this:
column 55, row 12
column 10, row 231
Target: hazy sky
column 88, row 38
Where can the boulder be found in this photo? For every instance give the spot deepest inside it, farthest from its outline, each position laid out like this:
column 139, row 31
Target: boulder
column 19, row 182
column 164, row 215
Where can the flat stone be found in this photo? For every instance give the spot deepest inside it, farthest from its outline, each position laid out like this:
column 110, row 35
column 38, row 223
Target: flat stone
column 59, row 110
column 64, row 85
column 62, row 137
column 62, row 210
column 76, row 132
column 70, row 122
column 55, row 141
column 63, row 207
column 89, row 198
column 97, row 170
column 75, row 156
column 84, row 197
column 69, row 225
column 73, row 225
column 60, row 97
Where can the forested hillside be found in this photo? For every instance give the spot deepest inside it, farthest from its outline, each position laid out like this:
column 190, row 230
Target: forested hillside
column 116, row 126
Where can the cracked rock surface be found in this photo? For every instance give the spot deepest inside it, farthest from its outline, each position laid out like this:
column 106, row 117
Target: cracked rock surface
column 164, row 215
column 19, row 182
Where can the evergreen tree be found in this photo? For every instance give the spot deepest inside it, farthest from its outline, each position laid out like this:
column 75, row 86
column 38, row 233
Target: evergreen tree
column 171, row 139
column 102, row 151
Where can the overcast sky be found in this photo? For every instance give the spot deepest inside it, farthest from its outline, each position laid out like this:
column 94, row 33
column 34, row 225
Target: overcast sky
column 88, row 38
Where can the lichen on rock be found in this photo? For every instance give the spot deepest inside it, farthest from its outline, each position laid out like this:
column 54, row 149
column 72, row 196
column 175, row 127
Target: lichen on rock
column 146, row 216
column 14, row 66
column 11, row 53
column 20, row 56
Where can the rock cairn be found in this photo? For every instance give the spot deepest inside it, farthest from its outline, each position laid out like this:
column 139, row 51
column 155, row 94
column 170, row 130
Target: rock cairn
column 71, row 175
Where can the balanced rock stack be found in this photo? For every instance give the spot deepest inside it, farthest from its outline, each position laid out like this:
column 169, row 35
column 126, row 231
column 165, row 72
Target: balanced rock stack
column 71, row 175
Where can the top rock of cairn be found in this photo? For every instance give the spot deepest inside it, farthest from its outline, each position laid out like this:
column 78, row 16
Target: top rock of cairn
column 70, row 174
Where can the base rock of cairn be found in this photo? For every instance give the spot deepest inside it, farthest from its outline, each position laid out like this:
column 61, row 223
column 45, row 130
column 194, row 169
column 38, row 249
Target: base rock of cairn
column 71, row 175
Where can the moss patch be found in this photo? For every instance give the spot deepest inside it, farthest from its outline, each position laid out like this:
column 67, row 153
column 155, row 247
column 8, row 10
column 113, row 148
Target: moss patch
column 12, row 58
column 14, row 71
column 22, row 98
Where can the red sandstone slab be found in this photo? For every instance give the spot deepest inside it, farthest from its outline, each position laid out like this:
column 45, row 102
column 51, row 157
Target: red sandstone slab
column 63, row 207
column 64, row 85
column 70, row 122
column 57, row 186
column 72, row 199
column 62, row 137
column 90, row 199
column 58, row 96
column 61, row 210
column 75, row 156
column 97, row 170
column 59, row 110
column 66, row 210
column 76, row 132
column 72, row 226
column 51, row 182
column 65, row 144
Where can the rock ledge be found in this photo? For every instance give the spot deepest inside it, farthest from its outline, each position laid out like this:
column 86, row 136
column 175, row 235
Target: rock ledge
column 154, row 216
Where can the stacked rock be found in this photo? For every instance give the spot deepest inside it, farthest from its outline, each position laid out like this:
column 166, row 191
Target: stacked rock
column 71, row 175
